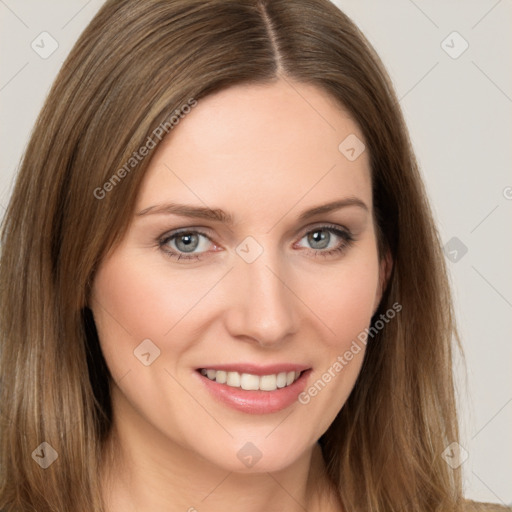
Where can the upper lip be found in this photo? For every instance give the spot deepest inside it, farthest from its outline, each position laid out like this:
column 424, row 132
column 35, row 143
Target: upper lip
column 255, row 369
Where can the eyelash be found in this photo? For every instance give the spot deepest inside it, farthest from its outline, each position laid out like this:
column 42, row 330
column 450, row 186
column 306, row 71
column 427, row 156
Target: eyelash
column 346, row 241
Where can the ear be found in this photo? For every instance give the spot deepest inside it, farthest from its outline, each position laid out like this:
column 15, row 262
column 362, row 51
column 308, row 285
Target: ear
column 385, row 267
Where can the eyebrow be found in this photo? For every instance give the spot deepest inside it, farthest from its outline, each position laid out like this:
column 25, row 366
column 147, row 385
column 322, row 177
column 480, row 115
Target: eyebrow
column 219, row 215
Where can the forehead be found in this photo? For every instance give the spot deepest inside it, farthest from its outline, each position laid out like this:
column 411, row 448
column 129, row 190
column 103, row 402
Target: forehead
column 260, row 149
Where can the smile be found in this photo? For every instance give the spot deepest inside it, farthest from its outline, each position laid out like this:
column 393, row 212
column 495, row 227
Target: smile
column 251, row 382
column 252, row 388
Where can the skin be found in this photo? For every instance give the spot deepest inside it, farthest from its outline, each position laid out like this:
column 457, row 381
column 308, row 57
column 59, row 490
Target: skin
column 263, row 154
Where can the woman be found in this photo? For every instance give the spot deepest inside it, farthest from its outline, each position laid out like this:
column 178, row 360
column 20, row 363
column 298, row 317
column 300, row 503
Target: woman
column 221, row 282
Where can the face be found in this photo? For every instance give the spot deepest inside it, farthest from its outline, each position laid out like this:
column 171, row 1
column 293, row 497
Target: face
column 220, row 318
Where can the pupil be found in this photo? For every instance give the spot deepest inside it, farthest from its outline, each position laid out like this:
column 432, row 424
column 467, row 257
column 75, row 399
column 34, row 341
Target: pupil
column 320, row 236
column 188, row 242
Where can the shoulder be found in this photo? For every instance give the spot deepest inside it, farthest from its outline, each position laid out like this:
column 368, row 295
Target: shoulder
column 473, row 506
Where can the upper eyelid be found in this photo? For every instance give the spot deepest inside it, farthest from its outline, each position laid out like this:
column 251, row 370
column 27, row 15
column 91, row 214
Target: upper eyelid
column 327, row 225
column 206, row 231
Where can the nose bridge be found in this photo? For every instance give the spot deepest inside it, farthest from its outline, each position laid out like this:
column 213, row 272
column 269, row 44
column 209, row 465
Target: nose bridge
column 262, row 305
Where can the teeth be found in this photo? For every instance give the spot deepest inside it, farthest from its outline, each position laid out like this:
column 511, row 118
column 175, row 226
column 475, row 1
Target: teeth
column 233, row 379
column 251, row 382
column 268, row 382
column 281, row 380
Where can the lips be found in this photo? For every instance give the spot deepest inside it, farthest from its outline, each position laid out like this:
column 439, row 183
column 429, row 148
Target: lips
column 255, row 389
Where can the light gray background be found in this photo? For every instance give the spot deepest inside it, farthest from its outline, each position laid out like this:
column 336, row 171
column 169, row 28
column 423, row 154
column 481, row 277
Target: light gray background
column 458, row 112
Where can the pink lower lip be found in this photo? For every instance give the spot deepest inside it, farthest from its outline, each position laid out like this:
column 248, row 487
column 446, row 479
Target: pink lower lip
column 256, row 402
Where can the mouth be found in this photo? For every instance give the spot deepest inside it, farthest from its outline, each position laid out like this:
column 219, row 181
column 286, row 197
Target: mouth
column 255, row 390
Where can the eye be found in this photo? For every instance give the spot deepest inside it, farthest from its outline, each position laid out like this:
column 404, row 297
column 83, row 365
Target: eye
column 190, row 244
column 328, row 240
column 185, row 244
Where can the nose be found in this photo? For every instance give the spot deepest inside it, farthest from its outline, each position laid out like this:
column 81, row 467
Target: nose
column 262, row 306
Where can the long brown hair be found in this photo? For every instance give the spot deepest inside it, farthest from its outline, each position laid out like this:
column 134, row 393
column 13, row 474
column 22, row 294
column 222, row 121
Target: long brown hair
column 131, row 69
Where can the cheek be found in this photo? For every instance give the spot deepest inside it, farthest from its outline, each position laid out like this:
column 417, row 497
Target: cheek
column 132, row 302
column 345, row 297
column 345, row 302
